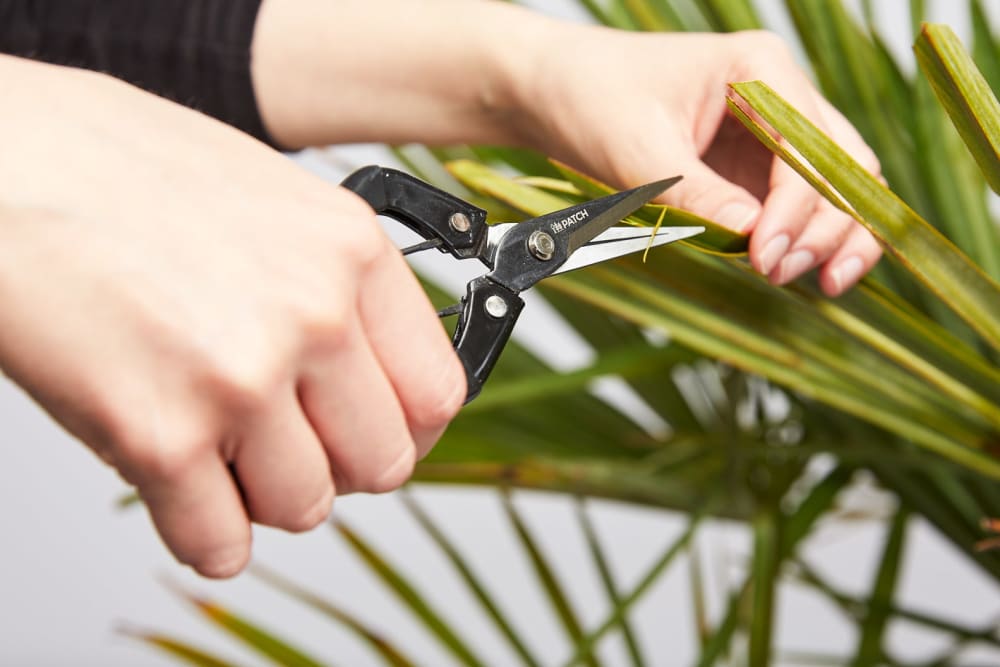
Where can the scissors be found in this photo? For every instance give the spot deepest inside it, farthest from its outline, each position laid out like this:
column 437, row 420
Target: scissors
column 519, row 255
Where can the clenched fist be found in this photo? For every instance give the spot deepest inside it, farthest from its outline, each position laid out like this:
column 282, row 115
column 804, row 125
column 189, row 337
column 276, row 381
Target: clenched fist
column 235, row 336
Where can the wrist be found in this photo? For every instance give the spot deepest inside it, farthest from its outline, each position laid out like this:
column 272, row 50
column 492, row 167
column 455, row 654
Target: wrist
column 513, row 46
column 439, row 72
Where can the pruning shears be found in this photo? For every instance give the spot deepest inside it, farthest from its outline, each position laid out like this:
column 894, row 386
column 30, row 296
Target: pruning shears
column 518, row 255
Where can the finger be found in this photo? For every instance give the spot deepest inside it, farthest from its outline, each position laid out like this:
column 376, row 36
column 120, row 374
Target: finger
column 284, row 470
column 791, row 201
column 789, row 205
column 355, row 412
column 707, row 194
column 197, row 509
column 828, row 227
column 823, row 235
column 855, row 257
column 412, row 348
column 847, row 137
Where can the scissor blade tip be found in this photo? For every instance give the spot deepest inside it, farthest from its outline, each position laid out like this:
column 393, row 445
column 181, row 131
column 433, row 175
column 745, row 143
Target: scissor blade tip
column 667, row 182
column 661, row 186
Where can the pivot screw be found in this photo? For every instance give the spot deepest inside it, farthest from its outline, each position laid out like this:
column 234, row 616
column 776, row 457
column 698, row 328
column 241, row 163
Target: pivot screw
column 459, row 222
column 496, row 306
column 541, row 245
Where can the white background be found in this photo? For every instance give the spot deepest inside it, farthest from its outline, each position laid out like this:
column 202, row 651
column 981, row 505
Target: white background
column 73, row 569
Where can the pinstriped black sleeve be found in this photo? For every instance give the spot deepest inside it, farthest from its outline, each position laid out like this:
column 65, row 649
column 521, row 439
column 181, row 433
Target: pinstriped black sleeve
column 196, row 52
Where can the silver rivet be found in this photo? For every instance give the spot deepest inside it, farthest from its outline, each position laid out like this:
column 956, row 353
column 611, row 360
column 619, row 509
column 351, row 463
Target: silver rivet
column 541, row 245
column 496, row 306
column 459, row 222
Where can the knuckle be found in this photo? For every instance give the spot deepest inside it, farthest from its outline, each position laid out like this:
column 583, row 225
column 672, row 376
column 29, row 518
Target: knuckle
column 242, row 381
column 351, row 203
column 154, row 441
column 158, row 446
column 362, row 241
column 325, row 323
column 163, row 460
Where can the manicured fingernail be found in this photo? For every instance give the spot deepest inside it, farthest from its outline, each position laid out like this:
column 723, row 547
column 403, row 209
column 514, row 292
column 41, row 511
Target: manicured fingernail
column 773, row 251
column 794, row 265
column 736, row 216
column 847, row 273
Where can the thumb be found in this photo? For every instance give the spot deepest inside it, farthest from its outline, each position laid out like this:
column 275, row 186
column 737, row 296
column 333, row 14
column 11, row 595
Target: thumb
column 709, row 195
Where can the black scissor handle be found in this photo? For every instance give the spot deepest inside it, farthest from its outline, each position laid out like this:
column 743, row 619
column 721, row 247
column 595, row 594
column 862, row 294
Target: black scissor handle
column 489, row 312
column 429, row 211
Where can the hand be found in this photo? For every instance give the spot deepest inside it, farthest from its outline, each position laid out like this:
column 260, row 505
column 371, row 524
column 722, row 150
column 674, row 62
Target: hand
column 628, row 108
column 632, row 108
column 209, row 318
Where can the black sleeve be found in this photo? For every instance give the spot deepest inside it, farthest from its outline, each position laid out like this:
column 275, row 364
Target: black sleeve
column 196, row 52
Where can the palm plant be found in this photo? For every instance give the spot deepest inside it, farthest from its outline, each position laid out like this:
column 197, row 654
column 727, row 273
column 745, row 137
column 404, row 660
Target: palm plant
column 897, row 381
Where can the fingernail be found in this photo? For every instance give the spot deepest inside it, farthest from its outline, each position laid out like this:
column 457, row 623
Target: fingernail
column 773, row 251
column 794, row 265
column 736, row 216
column 847, row 273
column 223, row 565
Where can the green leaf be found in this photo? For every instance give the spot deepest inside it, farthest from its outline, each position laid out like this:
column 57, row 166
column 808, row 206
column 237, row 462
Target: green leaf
column 855, row 609
column 585, row 646
column 176, row 648
column 870, row 646
column 965, row 95
column 955, row 185
column 719, row 641
column 922, row 494
column 698, row 598
column 975, row 113
column 763, row 580
column 863, row 82
column 475, row 586
column 888, row 330
column 708, row 327
column 409, row 596
column 732, row 15
column 985, row 50
column 817, row 503
column 651, row 16
column 627, row 362
column 608, row 580
column 389, row 653
column 943, row 268
column 546, row 576
column 270, row 646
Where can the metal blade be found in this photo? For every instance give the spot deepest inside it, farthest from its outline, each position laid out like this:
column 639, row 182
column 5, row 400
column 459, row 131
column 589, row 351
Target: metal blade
column 619, row 241
column 597, row 216
column 536, row 248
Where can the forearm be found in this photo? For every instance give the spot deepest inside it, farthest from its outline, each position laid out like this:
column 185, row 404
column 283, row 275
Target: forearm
column 66, row 124
column 195, row 53
column 435, row 71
